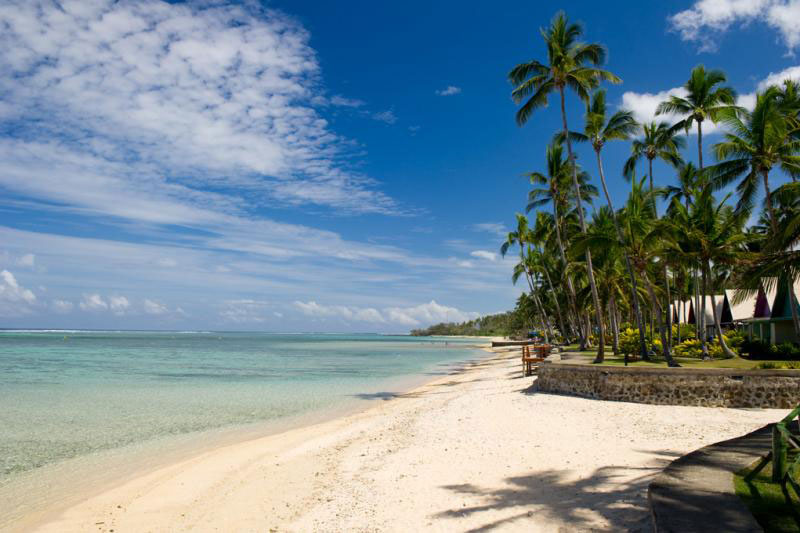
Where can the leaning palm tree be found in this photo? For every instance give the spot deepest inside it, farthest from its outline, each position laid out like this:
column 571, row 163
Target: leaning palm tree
column 570, row 64
column 757, row 142
column 598, row 130
column 703, row 100
column 659, row 142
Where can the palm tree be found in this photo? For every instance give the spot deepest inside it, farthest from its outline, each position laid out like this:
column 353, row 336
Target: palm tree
column 704, row 100
column 778, row 256
column 758, row 141
column 554, row 187
column 570, row 64
column 709, row 232
column 659, row 141
column 539, row 236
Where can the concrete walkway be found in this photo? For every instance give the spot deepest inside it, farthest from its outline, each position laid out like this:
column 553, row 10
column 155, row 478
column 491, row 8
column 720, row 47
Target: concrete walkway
column 695, row 493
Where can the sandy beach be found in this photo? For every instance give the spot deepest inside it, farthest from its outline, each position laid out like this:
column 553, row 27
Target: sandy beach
column 476, row 450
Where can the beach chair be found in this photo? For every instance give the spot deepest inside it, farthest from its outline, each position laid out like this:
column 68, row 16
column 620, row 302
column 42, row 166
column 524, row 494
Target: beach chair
column 531, row 360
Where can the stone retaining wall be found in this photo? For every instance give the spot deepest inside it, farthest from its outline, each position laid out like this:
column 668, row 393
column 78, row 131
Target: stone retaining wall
column 709, row 387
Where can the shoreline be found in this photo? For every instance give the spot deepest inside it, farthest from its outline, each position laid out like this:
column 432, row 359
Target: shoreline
column 476, row 448
column 111, row 468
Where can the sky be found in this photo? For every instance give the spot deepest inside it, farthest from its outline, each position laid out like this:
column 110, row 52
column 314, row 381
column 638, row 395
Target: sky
column 307, row 166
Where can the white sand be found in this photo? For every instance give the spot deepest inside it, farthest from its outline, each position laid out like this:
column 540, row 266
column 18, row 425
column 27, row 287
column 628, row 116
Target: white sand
column 470, row 452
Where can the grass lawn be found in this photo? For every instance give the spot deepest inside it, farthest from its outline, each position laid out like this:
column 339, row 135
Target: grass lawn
column 614, row 360
column 767, row 502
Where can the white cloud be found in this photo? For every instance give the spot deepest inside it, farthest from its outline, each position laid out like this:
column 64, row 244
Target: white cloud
column 707, row 19
column 61, row 306
column 495, row 228
column 150, row 100
column 341, row 101
column 644, row 105
column 428, row 313
column 15, row 300
column 483, row 254
column 151, row 307
column 27, row 260
column 93, row 302
column 11, row 291
column 449, row 90
column 118, row 305
column 243, row 311
column 387, row 116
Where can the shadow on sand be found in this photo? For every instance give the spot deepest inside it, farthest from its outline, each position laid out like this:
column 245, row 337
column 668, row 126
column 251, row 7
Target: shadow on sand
column 575, row 502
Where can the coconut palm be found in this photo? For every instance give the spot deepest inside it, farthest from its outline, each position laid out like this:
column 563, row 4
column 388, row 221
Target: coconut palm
column 539, row 236
column 571, row 64
column 709, row 232
column 598, row 130
column 554, row 187
column 703, row 101
column 659, row 142
column 757, row 142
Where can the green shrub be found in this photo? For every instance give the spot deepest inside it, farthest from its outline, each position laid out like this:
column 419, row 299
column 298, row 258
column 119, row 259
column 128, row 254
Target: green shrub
column 734, row 338
column 688, row 348
column 687, row 331
column 786, row 350
column 629, row 342
column 779, row 365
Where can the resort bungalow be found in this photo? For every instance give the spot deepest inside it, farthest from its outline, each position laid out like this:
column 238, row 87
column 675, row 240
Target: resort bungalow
column 680, row 312
column 772, row 319
column 718, row 302
column 737, row 313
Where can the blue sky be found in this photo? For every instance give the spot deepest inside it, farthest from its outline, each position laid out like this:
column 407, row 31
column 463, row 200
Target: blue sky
column 305, row 165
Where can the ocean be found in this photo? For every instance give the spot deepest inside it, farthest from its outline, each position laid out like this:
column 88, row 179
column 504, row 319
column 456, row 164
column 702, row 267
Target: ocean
column 83, row 407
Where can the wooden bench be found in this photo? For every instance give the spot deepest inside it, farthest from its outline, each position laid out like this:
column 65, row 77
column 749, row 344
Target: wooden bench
column 530, row 362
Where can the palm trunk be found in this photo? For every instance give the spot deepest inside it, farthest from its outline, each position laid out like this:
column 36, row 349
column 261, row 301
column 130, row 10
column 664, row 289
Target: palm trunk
column 634, row 289
column 612, row 315
column 555, row 300
column 570, row 287
column 720, row 337
column 650, row 162
column 773, row 221
column 793, row 305
column 669, row 307
column 601, row 340
column 702, row 333
column 680, row 314
column 700, row 143
column 548, row 332
column 698, row 318
column 656, row 310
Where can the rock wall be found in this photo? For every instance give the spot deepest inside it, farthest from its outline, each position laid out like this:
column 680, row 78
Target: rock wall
column 710, row 387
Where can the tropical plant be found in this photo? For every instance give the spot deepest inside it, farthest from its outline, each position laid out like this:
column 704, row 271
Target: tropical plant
column 659, row 142
column 758, row 141
column 571, row 64
column 703, row 101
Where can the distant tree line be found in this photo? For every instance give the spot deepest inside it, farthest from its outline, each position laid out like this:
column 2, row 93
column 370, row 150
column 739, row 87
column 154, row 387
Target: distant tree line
column 509, row 324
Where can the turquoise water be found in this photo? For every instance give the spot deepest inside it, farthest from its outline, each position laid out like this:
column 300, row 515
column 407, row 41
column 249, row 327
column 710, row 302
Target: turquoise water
column 66, row 395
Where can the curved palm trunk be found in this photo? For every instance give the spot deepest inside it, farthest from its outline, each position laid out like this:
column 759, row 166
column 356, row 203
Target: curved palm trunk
column 634, row 289
column 612, row 315
column 720, row 337
column 555, row 300
column 702, row 332
column 656, row 310
column 601, row 340
column 570, row 287
column 669, row 307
